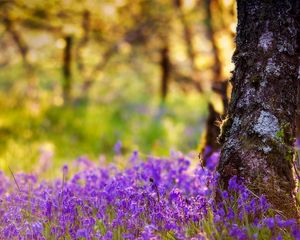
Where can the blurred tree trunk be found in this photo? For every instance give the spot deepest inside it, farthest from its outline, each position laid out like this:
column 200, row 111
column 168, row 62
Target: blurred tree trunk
column 165, row 65
column 187, row 34
column 67, row 84
column 22, row 47
column 219, row 86
column 211, row 143
column 212, row 132
column 86, row 19
column 259, row 131
column 210, row 33
column 32, row 88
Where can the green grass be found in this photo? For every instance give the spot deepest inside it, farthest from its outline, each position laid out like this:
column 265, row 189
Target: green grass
column 132, row 113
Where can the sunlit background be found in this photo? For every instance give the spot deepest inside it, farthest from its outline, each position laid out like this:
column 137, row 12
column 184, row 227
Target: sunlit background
column 76, row 77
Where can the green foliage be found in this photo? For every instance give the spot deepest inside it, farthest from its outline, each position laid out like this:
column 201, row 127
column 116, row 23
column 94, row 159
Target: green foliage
column 117, row 48
column 93, row 127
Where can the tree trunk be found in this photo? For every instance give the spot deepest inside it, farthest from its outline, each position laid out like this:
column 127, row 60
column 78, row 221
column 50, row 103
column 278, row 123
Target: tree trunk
column 211, row 143
column 32, row 88
column 219, row 86
column 165, row 65
column 298, row 114
column 86, row 22
column 217, row 68
column 67, row 68
column 23, row 49
column 187, row 34
column 297, row 11
column 259, row 131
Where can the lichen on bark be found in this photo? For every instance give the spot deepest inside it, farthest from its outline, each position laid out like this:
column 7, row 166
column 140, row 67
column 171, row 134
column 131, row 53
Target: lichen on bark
column 265, row 40
column 258, row 142
column 266, row 125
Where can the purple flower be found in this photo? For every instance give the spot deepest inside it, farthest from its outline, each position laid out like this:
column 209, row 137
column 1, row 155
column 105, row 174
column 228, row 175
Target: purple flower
column 134, row 157
column 297, row 143
column 270, row 222
column 279, row 237
column 82, row 233
column 230, row 214
column 152, row 199
column 212, row 161
column 225, row 195
column 232, row 184
column 65, row 170
column 263, row 204
column 118, row 147
column 296, row 232
column 238, row 233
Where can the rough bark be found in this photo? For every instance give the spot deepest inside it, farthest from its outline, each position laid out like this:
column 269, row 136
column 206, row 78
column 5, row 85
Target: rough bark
column 259, row 131
column 298, row 114
column 297, row 13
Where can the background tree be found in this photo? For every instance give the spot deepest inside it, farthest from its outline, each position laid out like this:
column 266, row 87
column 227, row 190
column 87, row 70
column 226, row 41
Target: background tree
column 219, row 87
column 165, row 71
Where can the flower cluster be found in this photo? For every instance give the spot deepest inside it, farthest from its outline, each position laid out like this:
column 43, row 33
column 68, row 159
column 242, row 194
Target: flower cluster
column 150, row 199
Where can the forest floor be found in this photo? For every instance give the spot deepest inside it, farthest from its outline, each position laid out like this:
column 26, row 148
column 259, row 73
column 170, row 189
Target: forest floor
column 31, row 128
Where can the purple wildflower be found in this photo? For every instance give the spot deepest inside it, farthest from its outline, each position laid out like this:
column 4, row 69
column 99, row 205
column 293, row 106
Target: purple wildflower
column 118, row 147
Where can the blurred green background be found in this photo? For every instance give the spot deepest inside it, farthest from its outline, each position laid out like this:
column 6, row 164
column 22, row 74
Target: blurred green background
column 78, row 76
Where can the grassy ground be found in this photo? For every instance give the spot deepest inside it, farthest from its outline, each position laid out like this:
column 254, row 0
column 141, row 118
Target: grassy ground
column 116, row 111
